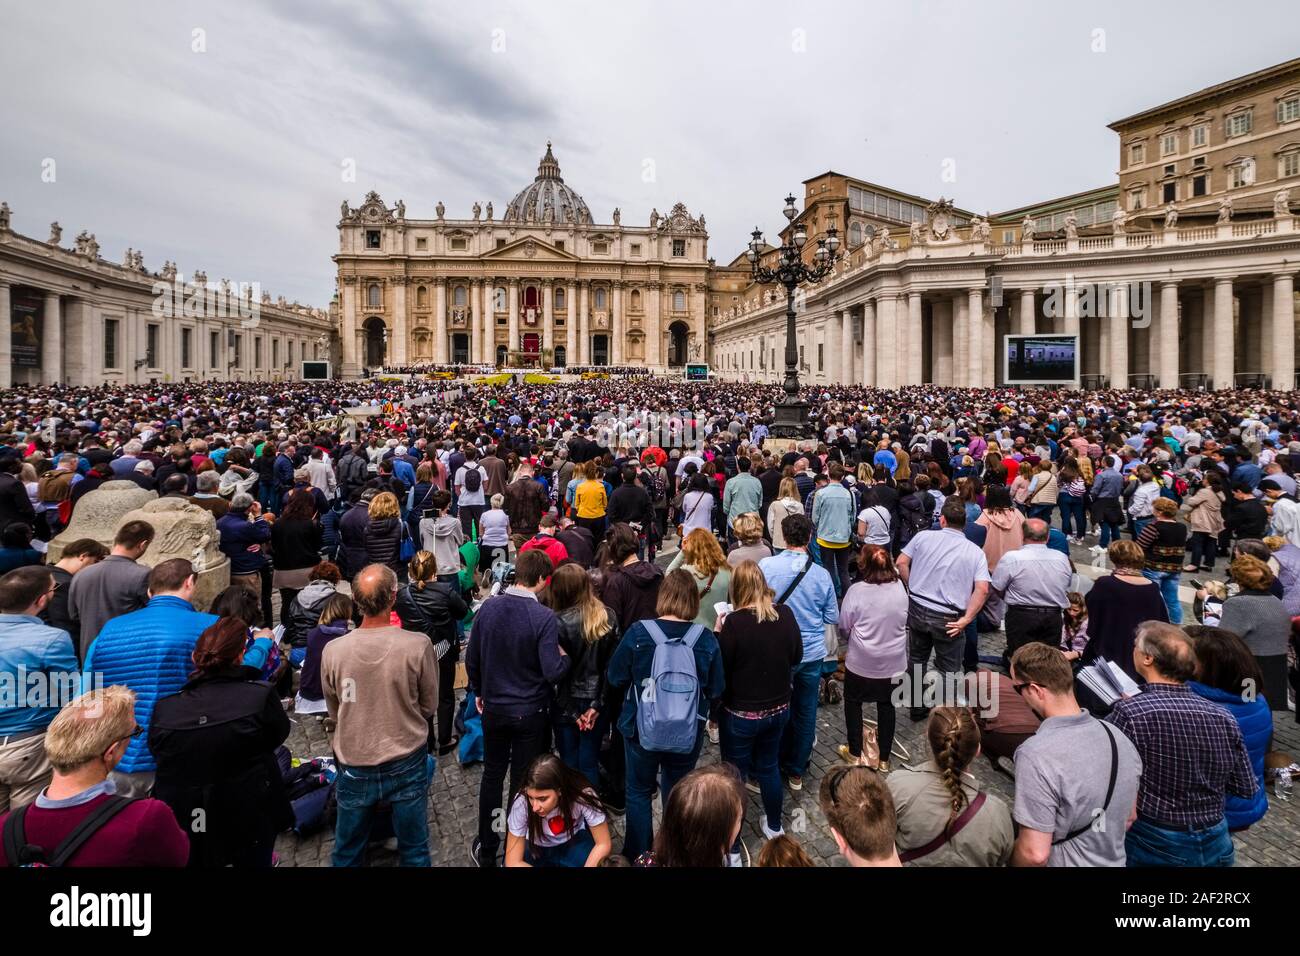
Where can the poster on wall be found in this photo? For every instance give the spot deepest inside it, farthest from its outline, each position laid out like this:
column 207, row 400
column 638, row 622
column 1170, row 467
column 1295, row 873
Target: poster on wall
column 25, row 332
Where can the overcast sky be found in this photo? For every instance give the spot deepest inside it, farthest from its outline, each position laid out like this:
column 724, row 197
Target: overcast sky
column 232, row 159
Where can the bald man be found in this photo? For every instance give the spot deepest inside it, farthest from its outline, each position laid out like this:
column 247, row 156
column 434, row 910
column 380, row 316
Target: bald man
column 1034, row 581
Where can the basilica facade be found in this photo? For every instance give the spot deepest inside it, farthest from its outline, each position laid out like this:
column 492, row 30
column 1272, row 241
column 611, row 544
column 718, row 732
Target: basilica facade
column 544, row 285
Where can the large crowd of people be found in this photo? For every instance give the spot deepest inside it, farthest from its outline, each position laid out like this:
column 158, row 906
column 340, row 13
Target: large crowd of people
column 627, row 570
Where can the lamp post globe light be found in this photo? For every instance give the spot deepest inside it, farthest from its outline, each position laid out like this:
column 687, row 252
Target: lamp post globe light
column 791, row 419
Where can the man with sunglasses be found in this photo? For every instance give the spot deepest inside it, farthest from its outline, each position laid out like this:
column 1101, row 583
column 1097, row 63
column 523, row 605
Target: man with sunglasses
column 1076, row 778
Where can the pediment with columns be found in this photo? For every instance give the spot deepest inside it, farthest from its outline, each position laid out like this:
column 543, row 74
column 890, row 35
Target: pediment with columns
column 531, row 248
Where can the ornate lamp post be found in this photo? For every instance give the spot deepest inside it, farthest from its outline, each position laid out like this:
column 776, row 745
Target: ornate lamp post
column 791, row 420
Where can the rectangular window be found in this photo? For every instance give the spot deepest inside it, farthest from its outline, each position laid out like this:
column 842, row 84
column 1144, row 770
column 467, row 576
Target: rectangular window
column 1008, row 236
column 1288, row 111
column 636, row 248
column 679, row 247
column 214, row 349
column 187, row 336
column 1289, row 165
column 1169, row 192
column 600, row 248
column 1238, row 124
column 275, row 353
column 110, row 343
column 238, row 361
column 372, row 238
column 1136, row 200
column 1200, row 185
column 257, row 352
column 151, row 345
column 421, row 244
column 1136, row 154
column 1200, row 135
column 1168, row 144
column 1243, row 174
column 501, row 243
column 559, row 244
column 459, row 245
column 1169, row 170
column 821, row 356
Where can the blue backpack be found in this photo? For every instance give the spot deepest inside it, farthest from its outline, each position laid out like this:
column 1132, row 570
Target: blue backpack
column 668, row 713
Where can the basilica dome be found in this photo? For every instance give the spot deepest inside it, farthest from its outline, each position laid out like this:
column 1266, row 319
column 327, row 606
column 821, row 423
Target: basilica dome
column 547, row 198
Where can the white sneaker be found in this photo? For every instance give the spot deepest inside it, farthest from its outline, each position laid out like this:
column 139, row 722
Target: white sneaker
column 713, row 733
column 733, row 859
column 770, row 834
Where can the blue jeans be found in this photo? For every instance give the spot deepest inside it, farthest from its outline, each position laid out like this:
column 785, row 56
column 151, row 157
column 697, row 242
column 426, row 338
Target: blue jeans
column 579, row 749
column 1109, row 532
column 1149, row 845
column 754, row 746
column 644, row 769
column 801, row 728
column 970, row 658
column 1041, row 511
column 1168, row 581
column 1139, row 524
column 572, row 854
column 404, row 785
column 1072, row 507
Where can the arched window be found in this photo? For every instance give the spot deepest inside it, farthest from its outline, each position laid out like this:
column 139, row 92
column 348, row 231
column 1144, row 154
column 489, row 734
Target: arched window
column 636, row 300
column 422, row 297
column 679, row 300
column 855, row 234
column 459, row 296
column 559, row 304
column 374, row 297
column 500, row 303
column 600, row 298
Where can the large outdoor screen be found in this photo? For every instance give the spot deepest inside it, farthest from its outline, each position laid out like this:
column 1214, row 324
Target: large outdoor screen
column 1040, row 359
column 315, row 370
column 697, row 373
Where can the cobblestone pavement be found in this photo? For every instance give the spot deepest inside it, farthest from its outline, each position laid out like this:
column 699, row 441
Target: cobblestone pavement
column 453, row 797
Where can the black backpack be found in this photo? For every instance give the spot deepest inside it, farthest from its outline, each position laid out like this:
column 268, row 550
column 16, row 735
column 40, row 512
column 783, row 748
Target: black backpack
column 473, row 479
column 18, row 852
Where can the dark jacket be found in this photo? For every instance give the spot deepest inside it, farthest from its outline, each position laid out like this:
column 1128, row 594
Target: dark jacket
column 433, row 610
column 215, row 743
column 309, row 685
column 384, row 541
column 579, row 544
column 238, row 536
column 525, row 500
column 631, row 592
column 305, row 610
column 352, row 539
column 585, row 684
column 15, row 506
column 514, row 655
column 296, row 544
column 283, row 473
column 630, row 503
column 58, row 613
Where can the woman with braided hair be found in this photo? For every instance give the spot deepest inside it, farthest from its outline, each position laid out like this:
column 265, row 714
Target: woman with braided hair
column 944, row 819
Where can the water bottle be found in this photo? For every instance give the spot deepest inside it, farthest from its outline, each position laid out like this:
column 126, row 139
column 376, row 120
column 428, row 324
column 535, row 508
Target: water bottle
column 1282, row 787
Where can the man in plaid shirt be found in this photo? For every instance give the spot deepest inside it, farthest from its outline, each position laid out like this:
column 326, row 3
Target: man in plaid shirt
column 1192, row 755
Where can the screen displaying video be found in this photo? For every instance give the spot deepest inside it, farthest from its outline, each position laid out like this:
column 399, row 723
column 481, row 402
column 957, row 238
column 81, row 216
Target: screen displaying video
column 1041, row 359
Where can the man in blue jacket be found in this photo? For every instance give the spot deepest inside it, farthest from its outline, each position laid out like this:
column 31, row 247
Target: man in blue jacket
column 245, row 532
column 149, row 651
column 29, row 648
column 513, row 659
column 283, row 472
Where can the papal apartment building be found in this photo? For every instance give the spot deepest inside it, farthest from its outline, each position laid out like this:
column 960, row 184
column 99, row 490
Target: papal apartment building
column 1180, row 272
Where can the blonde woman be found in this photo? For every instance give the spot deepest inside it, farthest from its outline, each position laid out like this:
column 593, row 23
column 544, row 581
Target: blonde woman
column 702, row 556
column 760, row 644
column 749, row 532
column 787, row 503
column 588, row 633
column 904, row 470
column 384, row 533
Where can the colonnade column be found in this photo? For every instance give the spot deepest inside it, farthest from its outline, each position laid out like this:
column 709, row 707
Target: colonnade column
column 1282, row 367
column 845, row 363
column 1118, row 322
column 869, row 349
column 571, row 324
column 1224, row 354
column 1168, row 339
column 476, row 347
column 941, row 357
column 975, row 330
column 440, row 321
column 52, row 340
column 617, row 324
column 1026, row 318
column 6, row 350
column 915, row 341
column 886, row 343
column 512, row 343
column 400, row 334
column 548, row 318
column 961, row 376
column 584, row 329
